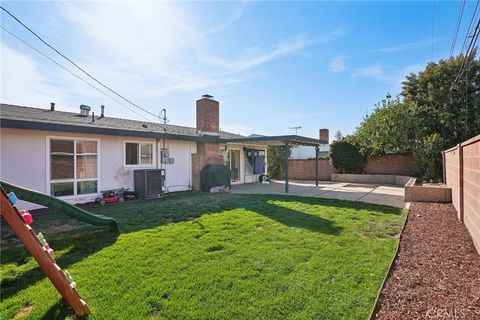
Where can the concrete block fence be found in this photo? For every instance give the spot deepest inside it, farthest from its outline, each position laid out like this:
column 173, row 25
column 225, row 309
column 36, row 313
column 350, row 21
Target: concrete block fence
column 461, row 169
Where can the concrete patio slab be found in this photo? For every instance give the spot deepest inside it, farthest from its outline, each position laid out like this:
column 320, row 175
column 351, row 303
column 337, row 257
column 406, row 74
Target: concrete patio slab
column 391, row 195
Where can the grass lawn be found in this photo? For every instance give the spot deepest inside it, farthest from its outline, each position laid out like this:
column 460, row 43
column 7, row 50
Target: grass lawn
column 200, row 256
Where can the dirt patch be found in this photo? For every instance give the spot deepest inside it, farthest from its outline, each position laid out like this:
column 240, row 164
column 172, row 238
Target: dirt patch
column 215, row 248
column 24, row 312
column 436, row 272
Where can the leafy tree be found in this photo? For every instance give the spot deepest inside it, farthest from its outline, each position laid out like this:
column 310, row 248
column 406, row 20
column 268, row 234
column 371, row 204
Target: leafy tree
column 444, row 103
column 390, row 128
column 346, row 157
column 440, row 108
column 276, row 161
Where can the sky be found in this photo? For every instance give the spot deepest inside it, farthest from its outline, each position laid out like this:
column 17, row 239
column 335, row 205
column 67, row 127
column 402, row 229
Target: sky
column 271, row 65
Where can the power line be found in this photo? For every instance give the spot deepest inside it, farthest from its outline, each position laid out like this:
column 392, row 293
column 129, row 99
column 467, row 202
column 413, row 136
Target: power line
column 455, row 34
column 76, row 65
column 472, row 44
column 69, row 71
column 466, row 64
column 464, row 45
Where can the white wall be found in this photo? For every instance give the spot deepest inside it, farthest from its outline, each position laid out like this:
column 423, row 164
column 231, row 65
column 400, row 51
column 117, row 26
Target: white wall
column 179, row 174
column 24, row 161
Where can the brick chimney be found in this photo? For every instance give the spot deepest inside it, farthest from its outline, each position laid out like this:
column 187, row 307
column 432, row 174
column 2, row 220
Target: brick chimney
column 207, row 125
column 323, row 135
column 208, row 116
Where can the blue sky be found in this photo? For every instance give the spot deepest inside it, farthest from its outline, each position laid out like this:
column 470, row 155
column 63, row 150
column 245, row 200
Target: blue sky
column 272, row 65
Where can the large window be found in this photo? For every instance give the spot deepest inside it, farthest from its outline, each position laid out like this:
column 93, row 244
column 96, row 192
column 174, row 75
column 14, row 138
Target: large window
column 73, row 167
column 138, row 153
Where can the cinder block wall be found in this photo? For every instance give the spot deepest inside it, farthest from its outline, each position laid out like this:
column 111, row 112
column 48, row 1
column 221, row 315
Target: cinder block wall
column 398, row 164
column 305, row 169
column 394, row 164
column 462, row 172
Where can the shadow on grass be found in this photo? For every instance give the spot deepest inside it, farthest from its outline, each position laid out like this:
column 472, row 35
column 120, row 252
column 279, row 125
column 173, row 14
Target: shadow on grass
column 78, row 246
column 60, row 310
column 146, row 214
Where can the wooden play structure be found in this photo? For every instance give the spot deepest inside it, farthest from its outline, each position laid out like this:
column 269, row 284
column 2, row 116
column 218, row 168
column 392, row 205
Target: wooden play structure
column 48, row 265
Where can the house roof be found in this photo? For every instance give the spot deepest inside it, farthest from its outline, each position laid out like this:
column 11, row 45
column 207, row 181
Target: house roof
column 13, row 116
column 20, row 117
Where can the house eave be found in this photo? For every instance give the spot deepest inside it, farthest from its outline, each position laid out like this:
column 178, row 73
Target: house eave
column 47, row 126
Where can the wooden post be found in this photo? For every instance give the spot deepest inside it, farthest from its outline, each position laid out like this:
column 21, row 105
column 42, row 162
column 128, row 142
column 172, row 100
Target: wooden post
column 29, row 239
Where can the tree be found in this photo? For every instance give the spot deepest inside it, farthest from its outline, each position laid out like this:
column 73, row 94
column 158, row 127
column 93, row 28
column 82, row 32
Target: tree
column 444, row 102
column 440, row 108
column 338, row 135
column 346, row 157
column 276, row 161
column 390, row 128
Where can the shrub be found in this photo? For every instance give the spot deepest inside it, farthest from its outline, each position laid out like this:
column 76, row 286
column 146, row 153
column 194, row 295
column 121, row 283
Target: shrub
column 276, row 162
column 346, row 157
column 427, row 154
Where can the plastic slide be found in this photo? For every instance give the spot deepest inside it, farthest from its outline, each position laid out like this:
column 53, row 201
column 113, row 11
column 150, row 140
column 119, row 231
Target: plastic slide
column 65, row 207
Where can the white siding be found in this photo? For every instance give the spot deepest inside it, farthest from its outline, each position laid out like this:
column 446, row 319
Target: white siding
column 24, row 160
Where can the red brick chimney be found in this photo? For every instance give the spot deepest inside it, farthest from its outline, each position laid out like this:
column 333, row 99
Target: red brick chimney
column 207, row 125
column 208, row 116
column 323, row 135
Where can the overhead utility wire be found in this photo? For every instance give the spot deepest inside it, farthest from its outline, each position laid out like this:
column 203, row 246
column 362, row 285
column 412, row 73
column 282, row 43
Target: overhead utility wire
column 69, row 71
column 466, row 64
column 76, row 65
column 464, row 45
column 455, row 34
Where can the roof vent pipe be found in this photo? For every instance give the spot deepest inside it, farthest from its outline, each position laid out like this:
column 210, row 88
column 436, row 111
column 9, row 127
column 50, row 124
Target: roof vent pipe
column 93, row 116
column 84, row 110
column 102, row 113
column 52, row 106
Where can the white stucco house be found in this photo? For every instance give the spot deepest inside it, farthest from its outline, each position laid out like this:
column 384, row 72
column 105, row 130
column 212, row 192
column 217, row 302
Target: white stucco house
column 76, row 155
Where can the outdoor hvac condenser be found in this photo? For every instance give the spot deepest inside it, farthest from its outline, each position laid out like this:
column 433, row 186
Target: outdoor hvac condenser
column 149, row 182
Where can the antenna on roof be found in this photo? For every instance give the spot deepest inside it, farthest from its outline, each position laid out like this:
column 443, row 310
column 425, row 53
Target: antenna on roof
column 296, row 129
column 163, row 117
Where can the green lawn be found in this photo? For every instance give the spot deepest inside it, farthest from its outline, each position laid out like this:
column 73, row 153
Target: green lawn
column 200, row 256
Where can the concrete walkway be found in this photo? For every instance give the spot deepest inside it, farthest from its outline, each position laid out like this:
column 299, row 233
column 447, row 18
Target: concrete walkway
column 390, row 195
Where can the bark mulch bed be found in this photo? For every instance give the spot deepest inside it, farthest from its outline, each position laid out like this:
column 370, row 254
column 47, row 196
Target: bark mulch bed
column 436, row 274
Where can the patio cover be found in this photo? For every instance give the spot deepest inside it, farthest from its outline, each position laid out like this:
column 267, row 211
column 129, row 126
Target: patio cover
column 286, row 141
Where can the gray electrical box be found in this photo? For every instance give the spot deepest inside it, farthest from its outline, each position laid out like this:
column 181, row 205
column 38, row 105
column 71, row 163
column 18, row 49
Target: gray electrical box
column 171, row 160
column 149, row 182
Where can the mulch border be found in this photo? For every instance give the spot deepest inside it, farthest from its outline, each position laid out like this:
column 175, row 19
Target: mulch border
column 390, row 268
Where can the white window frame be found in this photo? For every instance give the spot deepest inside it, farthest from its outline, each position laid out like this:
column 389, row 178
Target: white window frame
column 74, row 180
column 139, row 165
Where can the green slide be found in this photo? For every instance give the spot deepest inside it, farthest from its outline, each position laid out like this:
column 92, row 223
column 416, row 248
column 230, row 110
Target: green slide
column 65, row 207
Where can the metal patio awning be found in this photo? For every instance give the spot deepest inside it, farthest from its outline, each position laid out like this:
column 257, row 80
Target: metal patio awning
column 277, row 140
column 286, row 142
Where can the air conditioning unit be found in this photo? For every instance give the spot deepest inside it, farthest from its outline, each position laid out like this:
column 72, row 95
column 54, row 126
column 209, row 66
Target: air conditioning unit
column 149, row 182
